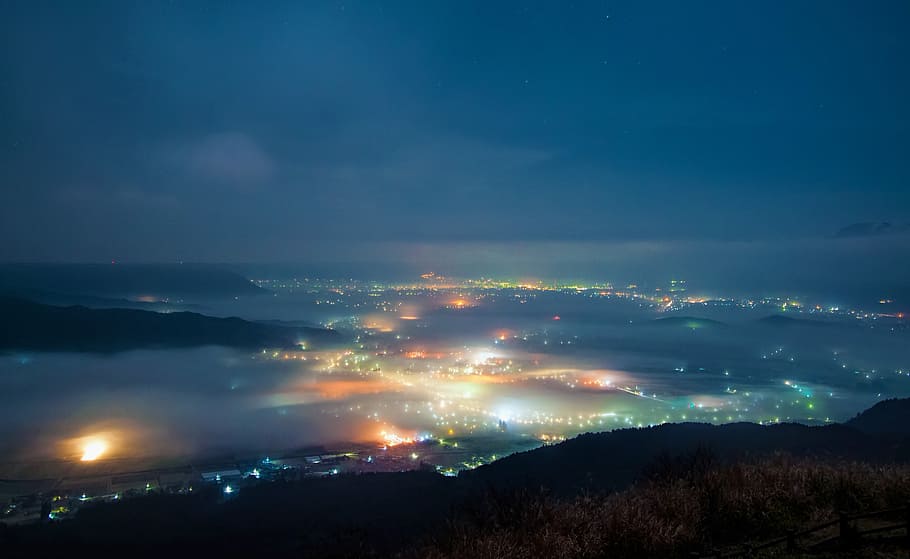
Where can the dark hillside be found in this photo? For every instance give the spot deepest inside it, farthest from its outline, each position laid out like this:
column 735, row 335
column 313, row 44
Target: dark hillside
column 25, row 325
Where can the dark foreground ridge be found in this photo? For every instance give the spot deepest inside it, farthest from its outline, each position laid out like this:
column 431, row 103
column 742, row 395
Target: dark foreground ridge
column 30, row 326
column 664, row 491
column 888, row 416
column 610, row 461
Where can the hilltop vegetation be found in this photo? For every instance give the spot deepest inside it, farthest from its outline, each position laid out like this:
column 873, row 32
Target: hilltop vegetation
column 681, row 507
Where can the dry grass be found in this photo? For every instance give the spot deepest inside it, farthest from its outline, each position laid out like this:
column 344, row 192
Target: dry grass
column 679, row 507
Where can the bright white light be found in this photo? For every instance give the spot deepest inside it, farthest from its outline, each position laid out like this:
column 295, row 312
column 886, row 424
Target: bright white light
column 228, row 489
column 481, row 356
column 93, row 449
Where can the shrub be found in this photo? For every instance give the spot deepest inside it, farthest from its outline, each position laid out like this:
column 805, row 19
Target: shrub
column 680, row 506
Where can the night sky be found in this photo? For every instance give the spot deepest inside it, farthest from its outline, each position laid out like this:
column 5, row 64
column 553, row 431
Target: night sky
column 261, row 132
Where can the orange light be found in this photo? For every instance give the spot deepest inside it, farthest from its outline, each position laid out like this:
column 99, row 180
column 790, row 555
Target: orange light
column 394, row 439
column 93, row 449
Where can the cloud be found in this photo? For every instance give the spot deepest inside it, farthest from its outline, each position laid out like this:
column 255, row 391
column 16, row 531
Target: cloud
column 231, row 158
column 119, row 198
column 454, row 170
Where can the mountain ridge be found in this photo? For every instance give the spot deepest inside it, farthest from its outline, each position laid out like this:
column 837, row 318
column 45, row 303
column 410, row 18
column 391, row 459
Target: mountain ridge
column 24, row 325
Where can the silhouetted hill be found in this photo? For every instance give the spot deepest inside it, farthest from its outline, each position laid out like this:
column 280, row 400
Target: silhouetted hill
column 25, row 325
column 888, row 417
column 613, row 459
column 872, row 229
column 99, row 302
column 124, row 280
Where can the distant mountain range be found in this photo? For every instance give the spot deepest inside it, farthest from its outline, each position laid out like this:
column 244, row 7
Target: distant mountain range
column 124, row 281
column 30, row 326
column 872, row 229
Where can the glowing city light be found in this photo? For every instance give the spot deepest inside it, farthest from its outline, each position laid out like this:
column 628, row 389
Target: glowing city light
column 394, row 439
column 93, row 449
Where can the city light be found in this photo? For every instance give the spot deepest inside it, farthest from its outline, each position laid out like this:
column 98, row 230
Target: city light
column 93, row 449
column 394, row 439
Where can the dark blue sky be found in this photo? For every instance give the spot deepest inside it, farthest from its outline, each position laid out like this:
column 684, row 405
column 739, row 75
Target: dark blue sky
column 242, row 131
